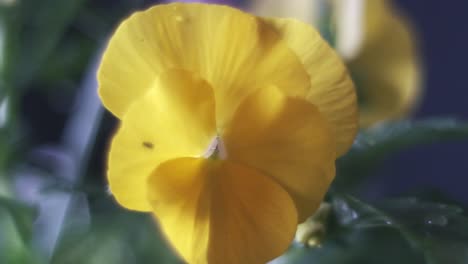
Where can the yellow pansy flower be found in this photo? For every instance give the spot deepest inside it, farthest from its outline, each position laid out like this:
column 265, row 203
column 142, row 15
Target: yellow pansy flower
column 386, row 68
column 230, row 126
column 378, row 45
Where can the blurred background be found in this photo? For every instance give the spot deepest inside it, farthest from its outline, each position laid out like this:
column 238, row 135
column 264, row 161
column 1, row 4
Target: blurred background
column 441, row 39
column 54, row 135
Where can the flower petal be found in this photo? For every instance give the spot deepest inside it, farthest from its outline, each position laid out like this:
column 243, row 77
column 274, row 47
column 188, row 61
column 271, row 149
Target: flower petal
column 221, row 212
column 174, row 118
column 387, row 69
column 332, row 90
column 234, row 51
column 288, row 139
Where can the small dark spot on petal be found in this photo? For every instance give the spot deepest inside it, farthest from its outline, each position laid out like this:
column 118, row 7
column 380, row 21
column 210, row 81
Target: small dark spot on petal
column 147, row 144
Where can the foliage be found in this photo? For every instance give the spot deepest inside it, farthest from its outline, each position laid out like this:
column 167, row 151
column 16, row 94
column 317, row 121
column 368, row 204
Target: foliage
column 374, row 144
column 405, row 230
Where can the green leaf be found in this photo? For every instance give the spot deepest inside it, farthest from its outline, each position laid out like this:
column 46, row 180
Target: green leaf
column 397, row 231
column 116, row 237
column 374, row 144
column 8, row 25
column 438, row 231
column 42, row 29
column 15, row 228
column 355, row 246
column 22, row 215
column 356, row 234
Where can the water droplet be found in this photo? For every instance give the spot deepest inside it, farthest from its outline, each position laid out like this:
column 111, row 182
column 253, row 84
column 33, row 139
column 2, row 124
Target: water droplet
column 372, row 223
column 314, row 243
column 437, row 220
column 346, row 213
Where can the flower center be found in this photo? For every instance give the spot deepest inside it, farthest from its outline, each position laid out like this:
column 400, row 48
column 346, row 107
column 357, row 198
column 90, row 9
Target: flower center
column 216, row 149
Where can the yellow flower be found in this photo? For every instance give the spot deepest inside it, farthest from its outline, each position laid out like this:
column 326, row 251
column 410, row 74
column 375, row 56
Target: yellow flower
column 378, row 45
column 230, row 126
column 386, row 69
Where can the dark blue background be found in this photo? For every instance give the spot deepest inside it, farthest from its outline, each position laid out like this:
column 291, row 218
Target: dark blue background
column 443, row 35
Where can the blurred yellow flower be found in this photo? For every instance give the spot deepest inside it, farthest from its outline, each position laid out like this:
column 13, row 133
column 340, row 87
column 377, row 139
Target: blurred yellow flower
column 377, row 43
column 230, row 126
column 386, row 68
